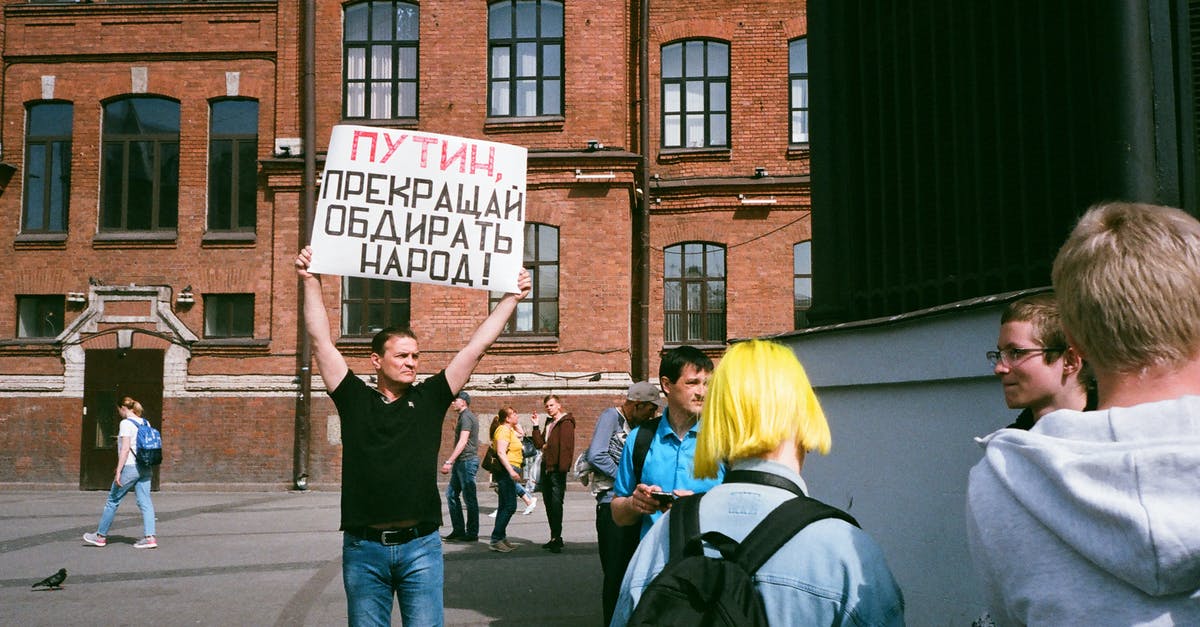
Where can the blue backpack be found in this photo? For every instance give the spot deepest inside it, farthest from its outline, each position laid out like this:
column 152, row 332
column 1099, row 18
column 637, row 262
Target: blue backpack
column 149, row 444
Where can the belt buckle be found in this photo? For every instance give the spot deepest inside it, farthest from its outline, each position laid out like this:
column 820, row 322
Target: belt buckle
column 392, row 537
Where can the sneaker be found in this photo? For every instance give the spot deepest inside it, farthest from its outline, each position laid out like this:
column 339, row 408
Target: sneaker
column 149, row 542
column 454, row 537
column 95, row 539
column 529, row 508
column 493, row 514
column 500, row 547
column 554, row 545
column 469, row 539
column 511, row 545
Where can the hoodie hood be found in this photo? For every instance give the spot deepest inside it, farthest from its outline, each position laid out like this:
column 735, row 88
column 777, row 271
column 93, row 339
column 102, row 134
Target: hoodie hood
column 1121, row 487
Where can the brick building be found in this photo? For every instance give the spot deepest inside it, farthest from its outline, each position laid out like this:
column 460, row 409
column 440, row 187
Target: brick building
column 158, row 158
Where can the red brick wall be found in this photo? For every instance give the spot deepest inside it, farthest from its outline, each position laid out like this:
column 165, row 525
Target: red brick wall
column 187, row 49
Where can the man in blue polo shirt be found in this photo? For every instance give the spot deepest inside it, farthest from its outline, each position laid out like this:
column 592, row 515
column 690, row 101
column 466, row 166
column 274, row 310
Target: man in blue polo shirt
column 683, row 374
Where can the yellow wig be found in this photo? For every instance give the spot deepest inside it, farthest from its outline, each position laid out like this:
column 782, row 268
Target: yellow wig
column 758, row 396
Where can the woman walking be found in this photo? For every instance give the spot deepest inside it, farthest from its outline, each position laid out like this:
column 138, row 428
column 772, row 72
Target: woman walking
column 508, row 449
column 129, row 476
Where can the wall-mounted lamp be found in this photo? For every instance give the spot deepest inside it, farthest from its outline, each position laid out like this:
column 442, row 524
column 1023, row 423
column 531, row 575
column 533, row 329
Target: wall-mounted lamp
column 760, row 173
column 76, row 298
column 186, row 297
column 755, row 201
column 594, row 144
column 594, row 176
column 595, row 377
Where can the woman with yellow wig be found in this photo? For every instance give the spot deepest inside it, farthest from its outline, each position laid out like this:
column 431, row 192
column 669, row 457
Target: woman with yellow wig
column 760, row 418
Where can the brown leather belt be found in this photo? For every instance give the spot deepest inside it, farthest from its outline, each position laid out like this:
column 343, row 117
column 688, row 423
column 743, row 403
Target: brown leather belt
column 392, row 537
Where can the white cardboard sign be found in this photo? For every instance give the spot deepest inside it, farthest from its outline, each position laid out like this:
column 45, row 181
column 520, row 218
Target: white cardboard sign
column 421, row 207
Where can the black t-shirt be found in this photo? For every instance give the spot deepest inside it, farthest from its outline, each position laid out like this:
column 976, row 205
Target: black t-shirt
column 389, row 451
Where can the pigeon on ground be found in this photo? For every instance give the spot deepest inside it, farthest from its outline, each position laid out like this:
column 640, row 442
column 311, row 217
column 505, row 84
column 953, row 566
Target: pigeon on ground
column 53, row 581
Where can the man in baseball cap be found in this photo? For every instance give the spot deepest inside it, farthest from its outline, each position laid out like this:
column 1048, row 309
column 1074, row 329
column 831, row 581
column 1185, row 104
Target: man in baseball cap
column 616, row 544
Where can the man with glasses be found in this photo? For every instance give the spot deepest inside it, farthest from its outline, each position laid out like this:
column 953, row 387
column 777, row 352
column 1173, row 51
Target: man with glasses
column 1037, row 369
column 1090, row 518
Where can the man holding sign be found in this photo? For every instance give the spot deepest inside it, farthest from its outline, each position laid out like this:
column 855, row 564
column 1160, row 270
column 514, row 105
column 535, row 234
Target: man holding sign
column 391, row 508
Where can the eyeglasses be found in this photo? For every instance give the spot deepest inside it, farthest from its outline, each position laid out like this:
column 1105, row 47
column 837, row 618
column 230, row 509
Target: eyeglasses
column 1010, row 356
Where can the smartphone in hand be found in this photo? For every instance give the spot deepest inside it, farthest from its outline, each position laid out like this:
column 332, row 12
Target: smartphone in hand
column 663, row 498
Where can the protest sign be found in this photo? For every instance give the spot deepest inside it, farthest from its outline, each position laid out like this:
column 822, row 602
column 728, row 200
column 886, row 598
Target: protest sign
column 422, row 207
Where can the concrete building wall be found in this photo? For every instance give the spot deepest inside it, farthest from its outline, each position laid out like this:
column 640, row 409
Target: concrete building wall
column 904, row 398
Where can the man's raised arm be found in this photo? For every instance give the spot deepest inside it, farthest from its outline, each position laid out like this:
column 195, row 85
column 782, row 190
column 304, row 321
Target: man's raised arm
column 460, row 368
column 330, row 362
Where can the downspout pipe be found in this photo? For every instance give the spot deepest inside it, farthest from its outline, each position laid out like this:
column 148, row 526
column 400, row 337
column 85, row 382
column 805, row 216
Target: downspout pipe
column 303, row 423
column 642, row 226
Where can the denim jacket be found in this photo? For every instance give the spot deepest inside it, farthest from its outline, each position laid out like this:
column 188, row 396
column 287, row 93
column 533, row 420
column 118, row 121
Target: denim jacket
column 831, row 573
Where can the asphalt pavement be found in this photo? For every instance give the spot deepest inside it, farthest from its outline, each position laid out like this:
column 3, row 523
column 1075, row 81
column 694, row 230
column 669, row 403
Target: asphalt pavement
column 268, row 558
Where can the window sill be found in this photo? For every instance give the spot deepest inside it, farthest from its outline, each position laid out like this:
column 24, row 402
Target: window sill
column 41, row 240
column 405, row 123
column 535, row 124
column 708, row 348
column 115, row 239
column 524, row 344
column 31, row 347
column 798, row 151
column 229, row 238
column 231, row 346
column 682, row 155
column 354, row 346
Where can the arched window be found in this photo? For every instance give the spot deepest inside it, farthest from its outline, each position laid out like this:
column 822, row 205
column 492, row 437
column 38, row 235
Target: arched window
column 694, row 293
column 379, row 40
column 47, row 167
column 537, row 314
column 801, row 282
column 695, row 94
column 139, row 189
column 233, row 165
column 525, row 58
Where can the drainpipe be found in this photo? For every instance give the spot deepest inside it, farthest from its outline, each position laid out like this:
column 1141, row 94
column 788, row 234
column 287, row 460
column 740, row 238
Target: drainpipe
column 303, row 426
column 641, row 230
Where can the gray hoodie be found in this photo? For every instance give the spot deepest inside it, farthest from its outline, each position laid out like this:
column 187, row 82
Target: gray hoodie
column 1091, row 518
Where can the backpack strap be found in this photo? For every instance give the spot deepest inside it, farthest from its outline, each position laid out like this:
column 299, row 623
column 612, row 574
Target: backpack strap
column 641, row 446
column 780, row 526
column 685, row 527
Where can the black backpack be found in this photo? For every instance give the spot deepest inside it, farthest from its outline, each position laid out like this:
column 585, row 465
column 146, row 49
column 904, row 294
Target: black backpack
column 693, row 589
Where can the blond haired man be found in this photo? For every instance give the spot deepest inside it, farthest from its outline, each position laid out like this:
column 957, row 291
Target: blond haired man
column 1090, row 518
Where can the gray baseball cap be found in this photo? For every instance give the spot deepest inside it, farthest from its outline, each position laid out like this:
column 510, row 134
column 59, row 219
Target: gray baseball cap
column 645, row 392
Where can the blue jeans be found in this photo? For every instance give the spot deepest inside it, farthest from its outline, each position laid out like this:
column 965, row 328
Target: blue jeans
column 373, row 573
column 462, row 481
column 507, row 489
column 136, row 478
